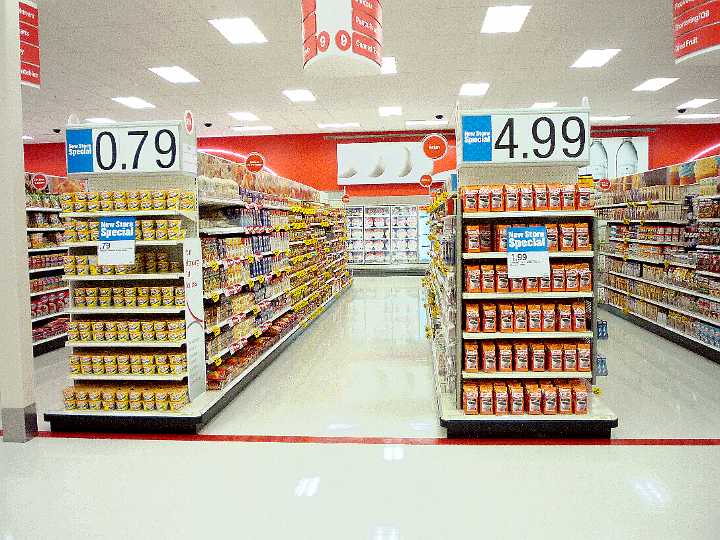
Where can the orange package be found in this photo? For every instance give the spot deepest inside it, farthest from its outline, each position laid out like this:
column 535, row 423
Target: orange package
column 579, row 317
column 582, row 237
column 472, row 239
column 549, row 400
column 512, row 198
column 584, row 361
column 584, row 277
column 558, row 277
column 541, row 196
column 584, row 198
column 485, row 399
column 567, row 200
column 517, row 285
column 567, row 237
column 537, row 357
column 548, row 318
column 505, row 357
column 497, row 198
column 489, row 357
column 554, row 197
column 554, row 357
column 502, row 283
column 483, row 199
column 533, row 399
column 470, row 199
column 489, row 360
column 552, row 237
column 572, row 282
column 472, row 318
column 564, row 399
column 527, row 198
column 520, row 312
column 486, row 239
column 473, row 279
column 500, row 395
column 506, row 318
column 569, row 357
column 581, row 399
column 564, row 318
column 517, row 399
column 534, row 318
column 470, row 398
column 472, row 357
column 532, row 284
column 545, row 283
column 521, row 356
column 488, row 278
column 501, row 237
column 489, row 318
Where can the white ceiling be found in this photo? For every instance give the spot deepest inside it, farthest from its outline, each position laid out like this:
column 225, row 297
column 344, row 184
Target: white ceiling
column 93, row 50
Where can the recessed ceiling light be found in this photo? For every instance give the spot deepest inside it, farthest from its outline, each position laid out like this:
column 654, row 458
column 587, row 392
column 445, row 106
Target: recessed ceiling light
column 134, row 102
column 696, row 103
column 100, row 121
column 699, row 116
column 595, row 58
column 345, row 125
column 653, row 85
column 474, row 89
column 609, row 118
column 390, row 111
column 504, row 19
column 175, row 74
column 252, row 128
column 544, row 105
column 300, row 95
column 389, row 65
column 239, row 31
column 244, row 116
column 27, row 138
column 419, row 123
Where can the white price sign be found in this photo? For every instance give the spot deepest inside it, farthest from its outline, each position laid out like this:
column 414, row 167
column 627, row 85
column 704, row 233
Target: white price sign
column 527, row 136
column 528, row 254
column 129, row 148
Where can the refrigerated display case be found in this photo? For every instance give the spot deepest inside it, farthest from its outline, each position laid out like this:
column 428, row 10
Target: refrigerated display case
column 355, row 242
column 424, row 237
column 404, row 235
column 377, row 235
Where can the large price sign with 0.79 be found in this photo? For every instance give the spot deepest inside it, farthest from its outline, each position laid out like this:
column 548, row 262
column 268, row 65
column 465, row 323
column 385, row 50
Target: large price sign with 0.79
column 526, row 137
column 133, row 148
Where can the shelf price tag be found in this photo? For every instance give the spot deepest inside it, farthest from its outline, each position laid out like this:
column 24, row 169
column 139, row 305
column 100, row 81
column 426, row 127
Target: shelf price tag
column 116, row 241
column 528, row 254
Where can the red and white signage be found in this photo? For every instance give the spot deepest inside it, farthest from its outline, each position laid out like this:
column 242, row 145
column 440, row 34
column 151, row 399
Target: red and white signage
column 346, row 198
column 39, row 182
column 344, row 36
column 254, row 162
column 604, row 184
column 435, row 146
column 426, row 180
column 189, row 122
column 696, row 28
column 29, row 43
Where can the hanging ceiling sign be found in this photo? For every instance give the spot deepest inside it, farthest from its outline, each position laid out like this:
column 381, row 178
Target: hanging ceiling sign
column 29, row 44
column 696, row 28
column 342, row 37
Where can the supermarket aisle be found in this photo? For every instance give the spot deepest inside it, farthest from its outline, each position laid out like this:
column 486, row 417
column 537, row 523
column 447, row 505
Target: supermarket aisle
column 363, row 369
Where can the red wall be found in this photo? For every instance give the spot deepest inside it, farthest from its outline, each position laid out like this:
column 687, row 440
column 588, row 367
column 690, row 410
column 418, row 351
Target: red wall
column 311, row 159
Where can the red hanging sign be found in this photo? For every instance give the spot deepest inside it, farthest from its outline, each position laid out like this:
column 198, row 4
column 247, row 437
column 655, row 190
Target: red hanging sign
column 255, row 162
column 435, row 146
column 39, row 182
column 426, row 180
column 696, row 28
column 29, row 43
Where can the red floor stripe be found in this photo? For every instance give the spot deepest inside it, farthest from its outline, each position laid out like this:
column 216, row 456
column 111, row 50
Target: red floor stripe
column 382, row 440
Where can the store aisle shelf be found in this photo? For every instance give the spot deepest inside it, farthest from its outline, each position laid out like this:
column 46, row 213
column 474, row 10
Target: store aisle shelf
column 636, row 203
column 139, row 378
column 709, row 274
column 528, row 375
column 125, row 311
column 125, row 277
column 708, row 220
column 525, row 295
column 527, row 335
column 187, row 214
column 49, row 291
column 530, row 214
column 644, row 221
column 48, row 340
column 553, row 255
column 709, row 248
column 50, row 249
column 127, row 344
column 43, row 209
column 668, row 286
column 646, row 260
column 48, row 316
column 94, row 243
column 650, row 242
column 45, row 229
column 48, row 269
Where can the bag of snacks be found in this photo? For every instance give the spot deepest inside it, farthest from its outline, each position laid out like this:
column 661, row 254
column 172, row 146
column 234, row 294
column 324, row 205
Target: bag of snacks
column 472, row 239
column 501, row 399
column 572, row 282
column 517, row 285
column 565, row 399
column 558, row 277
column 470, row 199
column 484, row 199
column 564, row 318
column 489, row 318
column 520, row 317
column 485, row 398
column 537, row 357
column 489, row 358
column 533, row 399
column 473, row 279
column 584, row 277
column 548, row 318
column 488, row 278
column 554, row 357
column 552, row 237
column 527, row 198
column 584, row 361
column 554, row 197
column 568, row 197
column 472, row 318
column 569, row 357
column 534, row 318
column 502, row 283
column 532, row 284
column 512, row 198
column 501, row 238
column 470, row 398
column 584, row 198
column 579, row 317
column 567, row 237
column 505, row 357
column 472, row 357
column 582, row 237
column 521, row 356
column 486, row 239
column 541, row 196
column 497, row 198
column 506, row 318
column 549, row 400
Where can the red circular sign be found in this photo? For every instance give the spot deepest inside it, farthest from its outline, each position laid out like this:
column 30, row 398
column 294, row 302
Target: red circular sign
column 426, row 180
column 346, row 198
column 39, row 181
column 189, row 122
column 255, row 162
column 342, row 40
column 435, row 146
column 604, row 184
column 323, row 41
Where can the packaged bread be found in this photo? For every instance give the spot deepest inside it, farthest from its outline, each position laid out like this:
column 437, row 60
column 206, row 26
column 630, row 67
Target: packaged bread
column 472, row 318
column 549, row 400
column 501, row 237
column 533, row 399
column 486, row 399
column 537, row 357
column 516, row 399
column 470, row 398
column 548, row 318
column 555, row 197
column 520, row 318
column 504, row 357
column 541, row 196
column 489, row 318
column 489, row 357
column 534, row 312
column 572, row 282
column 473, row 279
column 579, row 317
column 488, row 278
column 584, row 198
column 532, row 284
column 506, row 318
column 500, row 396
column 554, row 357
column 512, row 198
column 584, row 357
column 567, row 237
column 470, row 199
column 521, row 356
column 486, row 238
column 582, row 237
column 497, row 198
column 545, row 283
column 527, row 198
column 584, row 277
column 517, row 284
column 483, row 199
column 552, row 237
column 567, row 200
column 564, row 318
column 472, row 357
column 581, row 399
column 569, row 357
column 565, row 399
column 472, row 239
column 558, row 277
column 502, row 283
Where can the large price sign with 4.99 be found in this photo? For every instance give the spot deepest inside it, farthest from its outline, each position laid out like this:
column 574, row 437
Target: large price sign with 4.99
column 526, row 137
column 134, row 148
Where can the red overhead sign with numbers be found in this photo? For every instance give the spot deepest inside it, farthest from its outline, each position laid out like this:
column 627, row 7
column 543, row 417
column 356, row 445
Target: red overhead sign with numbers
column 696, row 28
column 29, row 43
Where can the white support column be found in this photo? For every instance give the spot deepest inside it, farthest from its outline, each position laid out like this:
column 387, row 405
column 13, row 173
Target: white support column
column 17, row 401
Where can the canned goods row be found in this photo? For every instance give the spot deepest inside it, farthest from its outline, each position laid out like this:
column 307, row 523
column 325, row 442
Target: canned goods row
column 126, row 397
column 87, row 265
column 120, row 201
column 172, row 330
column 140, row 297
column 45, row 261
column 105, row 363
column 147, row 229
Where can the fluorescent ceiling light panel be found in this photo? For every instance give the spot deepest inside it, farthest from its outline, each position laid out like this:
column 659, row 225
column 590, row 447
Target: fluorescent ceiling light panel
column 595, row 58
column 27, row 138
column 244, row 116
column 345, row 125
column 701, row 116
column 696, row 103
column 609, row 118
column 426, row 123
column 239, row 31
column 389, row 65
column 300, row 95
column 653, row 85
column 134, row 102
column 544, row 105
column 100, row 121
column 504, row 19
column 390, row 111
column 474, row 89
column 252, row 128
column 175, row 74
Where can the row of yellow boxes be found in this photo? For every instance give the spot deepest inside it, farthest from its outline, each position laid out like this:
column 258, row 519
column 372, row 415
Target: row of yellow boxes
column 169, row 330
column 121, row 201
column 110, row 397
column 108, row 363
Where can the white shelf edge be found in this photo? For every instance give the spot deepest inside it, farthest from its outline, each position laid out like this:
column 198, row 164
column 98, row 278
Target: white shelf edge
column 188, row 214
column 48, row 249
column 128, row 311
column 709, row 274
column 49, row 316
column 50, row 269
column 43, row 209
column 126, row 344
column 671, row 221
column 525, row 295
column 48, row 340
column 124, row 277
column 636, row 203
column 650, row 242
column 527, row 335
column 94, row 243
column 529, row 214
column 41, row 293
column 708, row 248
column 527, row 375
column 553, row 255
column 645, row 260
column 44, row 229
column 668, row 286
column 179, row 377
